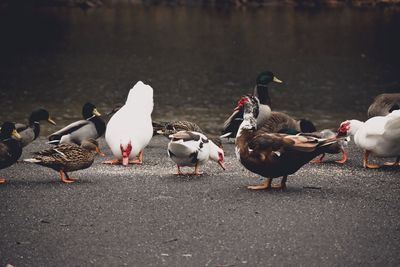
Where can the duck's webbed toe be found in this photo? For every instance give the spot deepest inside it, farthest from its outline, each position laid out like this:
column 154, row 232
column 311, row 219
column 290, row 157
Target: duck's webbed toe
column 263, row 186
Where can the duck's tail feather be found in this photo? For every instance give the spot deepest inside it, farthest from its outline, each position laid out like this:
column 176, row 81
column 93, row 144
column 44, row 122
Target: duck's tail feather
column 54, row 142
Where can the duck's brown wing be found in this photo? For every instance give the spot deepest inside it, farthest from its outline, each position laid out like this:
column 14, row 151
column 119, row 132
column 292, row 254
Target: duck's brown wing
column 265, row 141
column 183, row 126
column 59, row 155
column 307, row 143
column 279, row 142
column 187, row 136
column 278, row 121
column 60, row 150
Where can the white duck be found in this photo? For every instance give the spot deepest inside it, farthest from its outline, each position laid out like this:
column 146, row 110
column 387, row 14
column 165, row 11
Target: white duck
column 193, row 149
column 379, row 136
column 130, row 130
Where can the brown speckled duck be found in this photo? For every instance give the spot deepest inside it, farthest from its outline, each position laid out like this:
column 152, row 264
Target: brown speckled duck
column 274, row 155
column 172, row 127
column 67, row 158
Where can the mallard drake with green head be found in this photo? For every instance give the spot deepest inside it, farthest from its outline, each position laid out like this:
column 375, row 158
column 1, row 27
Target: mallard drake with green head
column 276, row 121
column 91, row 127
column 66, row 158
column 383, row 104
column 31, row 131
column 231, row 125
column 274, row 155
column 10, row 147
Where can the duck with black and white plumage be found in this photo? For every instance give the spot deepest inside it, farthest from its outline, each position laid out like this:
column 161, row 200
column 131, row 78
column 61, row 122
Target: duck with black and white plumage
column 194, row 149
column 91, row 127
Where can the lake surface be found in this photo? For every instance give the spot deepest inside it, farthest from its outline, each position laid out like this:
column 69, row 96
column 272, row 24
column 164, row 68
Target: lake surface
column 199, row 60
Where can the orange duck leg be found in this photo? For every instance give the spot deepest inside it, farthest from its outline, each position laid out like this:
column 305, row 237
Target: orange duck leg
column 344, row 157
column 319, row 160
column 139, row 160
column 365, row 161
column 282, row 185
column 392, row 164
column 264, row 185
column 64, row 179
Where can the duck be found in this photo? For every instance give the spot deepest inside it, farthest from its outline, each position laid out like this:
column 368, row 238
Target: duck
column 66, row 157
column 231, row 125
column 31, row 131
column 91, row 127
column 383, row 104
column 10, row 146
column 275, row 121
column 378, row 136
column 168, row 128
column 335, row 148
column 274, row 155
column 130, row 129
column 193, row 149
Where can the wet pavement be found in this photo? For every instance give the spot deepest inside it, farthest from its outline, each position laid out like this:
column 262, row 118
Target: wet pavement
column 146, row 216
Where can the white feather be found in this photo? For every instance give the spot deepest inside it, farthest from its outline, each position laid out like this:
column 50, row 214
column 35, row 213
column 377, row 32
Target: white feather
column 183, row 151
column 380, row 134
column 132, row 122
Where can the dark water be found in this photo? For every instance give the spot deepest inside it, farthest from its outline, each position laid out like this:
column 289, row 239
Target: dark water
column 198, row 60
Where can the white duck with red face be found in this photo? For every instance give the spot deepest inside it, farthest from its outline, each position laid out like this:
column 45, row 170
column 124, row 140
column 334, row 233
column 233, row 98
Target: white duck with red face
column 130, row 130
column 193, row 149
column 379, row 136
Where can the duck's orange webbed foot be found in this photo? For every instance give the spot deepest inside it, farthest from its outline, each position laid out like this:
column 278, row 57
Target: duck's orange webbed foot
column 179, row 172
column 3, row 181
column 113, row 162
column 344, row 157
column 139, row 160
column 371, row 166
column 365, row 161
column 196, row 171
column 263, row 186
column 393, row 164
column 319, row 160
column 280, row 186
column 64, row 178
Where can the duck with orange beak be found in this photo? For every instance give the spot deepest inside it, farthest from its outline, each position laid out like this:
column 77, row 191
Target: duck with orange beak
column 67, row 158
